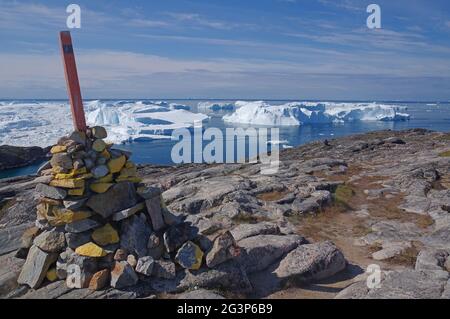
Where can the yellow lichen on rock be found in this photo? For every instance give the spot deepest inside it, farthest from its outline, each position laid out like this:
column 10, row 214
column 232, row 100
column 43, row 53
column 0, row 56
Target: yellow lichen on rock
column 106, row 154
column 127, row 174
column 198, row 258
column 81, row 173
column 85, row 176
column 58, row 169
column 115, row 165
column 58, row 149
column 100, row 187
column 76, row 191
column 57, row 216
column 105, row 179
column 105, row 235
column 43, row 209
column 99, row 146
column 68, row 183
column 90, row 250
column 63, row 176
column 129, row 164
column 51, row 275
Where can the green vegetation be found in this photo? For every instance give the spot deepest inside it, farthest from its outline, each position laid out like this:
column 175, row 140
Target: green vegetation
column 445, row 154
column 343, row 195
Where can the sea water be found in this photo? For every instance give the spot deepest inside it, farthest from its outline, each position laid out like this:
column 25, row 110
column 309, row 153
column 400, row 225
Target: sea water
column 432, row 116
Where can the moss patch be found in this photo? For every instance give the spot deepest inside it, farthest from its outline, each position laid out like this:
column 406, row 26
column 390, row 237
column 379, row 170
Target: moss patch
column 343, row 195
column 445, row 154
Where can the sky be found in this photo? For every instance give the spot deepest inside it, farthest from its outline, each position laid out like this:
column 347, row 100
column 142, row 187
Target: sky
column 230, row 49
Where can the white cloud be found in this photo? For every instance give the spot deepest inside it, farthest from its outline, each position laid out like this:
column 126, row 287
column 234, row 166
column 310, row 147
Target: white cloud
column 34, row 17
column 195, row 19
column 316, row 60
column 146, row 23
column 125, row 74
column 345, row 4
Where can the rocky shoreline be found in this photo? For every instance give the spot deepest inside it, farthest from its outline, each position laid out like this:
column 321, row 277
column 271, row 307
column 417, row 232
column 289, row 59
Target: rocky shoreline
column 310, row 231
column 15, row 156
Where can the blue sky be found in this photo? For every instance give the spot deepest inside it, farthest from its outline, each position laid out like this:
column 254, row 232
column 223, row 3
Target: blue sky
column 278, row 49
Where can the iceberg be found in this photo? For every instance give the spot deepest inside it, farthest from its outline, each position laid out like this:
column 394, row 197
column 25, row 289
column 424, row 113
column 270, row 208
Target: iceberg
column 42, row 123
column 140, row 121
column 215, row 107
column 298, row 113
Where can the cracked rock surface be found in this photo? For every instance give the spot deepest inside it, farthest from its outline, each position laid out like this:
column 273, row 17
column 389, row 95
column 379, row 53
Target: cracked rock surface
column 308, row 231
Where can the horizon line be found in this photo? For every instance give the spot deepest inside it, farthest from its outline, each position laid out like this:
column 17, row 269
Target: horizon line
column 233, row 99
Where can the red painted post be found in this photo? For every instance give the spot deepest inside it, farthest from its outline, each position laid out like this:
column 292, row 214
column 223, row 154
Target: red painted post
column 73, row 86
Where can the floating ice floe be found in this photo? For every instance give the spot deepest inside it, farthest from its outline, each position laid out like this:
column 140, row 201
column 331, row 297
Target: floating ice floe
column 278, row 142
column 298, row 113
column 41, row 124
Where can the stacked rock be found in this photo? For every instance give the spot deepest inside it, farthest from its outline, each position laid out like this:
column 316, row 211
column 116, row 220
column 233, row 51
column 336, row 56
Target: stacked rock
column 98, row 225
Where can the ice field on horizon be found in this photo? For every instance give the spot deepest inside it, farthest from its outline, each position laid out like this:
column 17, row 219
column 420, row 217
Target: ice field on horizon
column 43, row 123
column 215, row 106
column 298, row 113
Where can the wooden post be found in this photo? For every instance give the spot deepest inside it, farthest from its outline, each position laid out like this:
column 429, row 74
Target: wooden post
column 73, row 86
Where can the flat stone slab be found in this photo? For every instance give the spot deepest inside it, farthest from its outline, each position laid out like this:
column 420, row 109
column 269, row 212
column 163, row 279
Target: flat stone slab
column 311, row 262
column 10, row 238
column 248, row 230
column 10, row 268
column 259, row 252
column 35, row 267
column 404, row 284
column 119, row 197
column 200, row 294
column 391, row 250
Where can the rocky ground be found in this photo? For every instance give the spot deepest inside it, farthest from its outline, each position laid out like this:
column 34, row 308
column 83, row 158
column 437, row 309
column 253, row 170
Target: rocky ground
column 309, row 231
column 13, row 156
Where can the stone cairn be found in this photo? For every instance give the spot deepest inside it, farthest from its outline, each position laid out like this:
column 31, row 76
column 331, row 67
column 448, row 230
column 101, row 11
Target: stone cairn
column 98, row 226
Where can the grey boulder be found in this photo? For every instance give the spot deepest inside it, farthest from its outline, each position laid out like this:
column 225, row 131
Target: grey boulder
column 50, row 191
column 164, row 269
column 224, row 248
column 178, row 234
column 145, row 265
column 259, row 252
column 80, row 226
column 311, row 262
column 51, row 241
column 119, row 197
column 36, row 267
column 123, row 275
column 135, row 233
